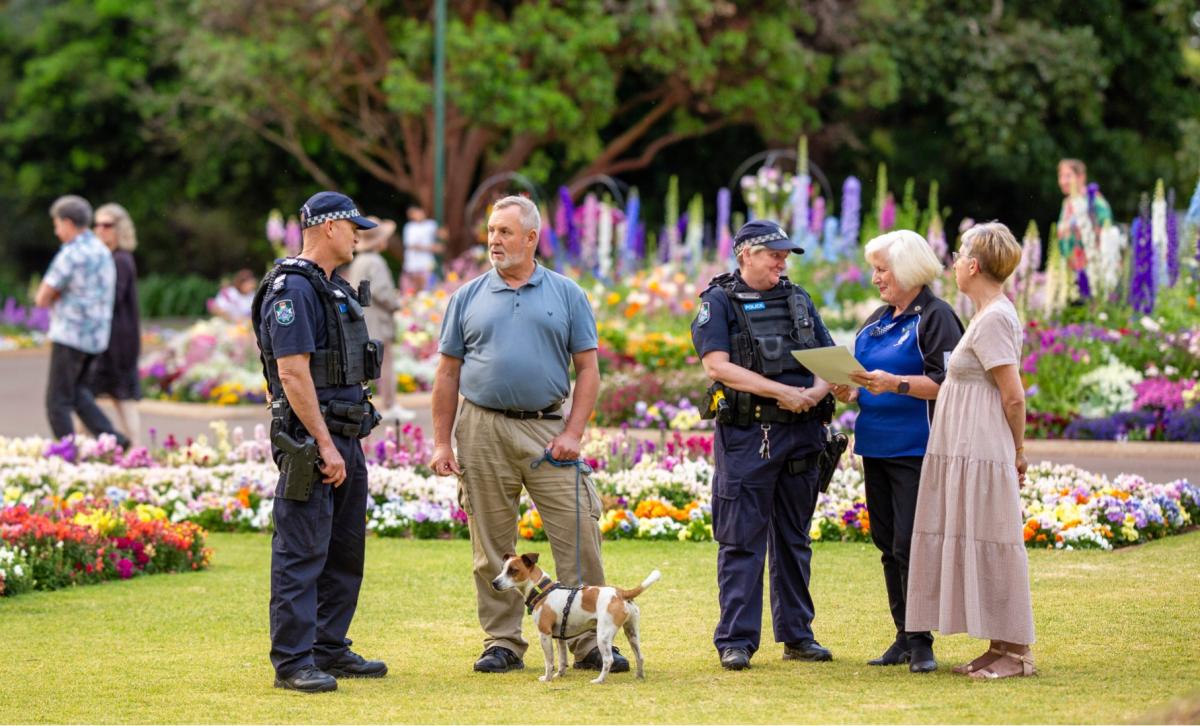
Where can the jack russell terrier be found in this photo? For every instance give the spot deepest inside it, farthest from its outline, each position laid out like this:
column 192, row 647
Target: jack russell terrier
column 562, row 612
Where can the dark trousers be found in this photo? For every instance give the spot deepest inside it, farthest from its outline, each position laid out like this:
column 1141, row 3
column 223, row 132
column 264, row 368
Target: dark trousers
column 317, row 567
column 759, row 507
column 891, row 486
column 66, row 393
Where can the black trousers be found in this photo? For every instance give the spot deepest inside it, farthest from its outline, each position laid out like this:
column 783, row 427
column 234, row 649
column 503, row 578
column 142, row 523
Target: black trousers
column 891, row 486
column 66, row 392
column 317, row 567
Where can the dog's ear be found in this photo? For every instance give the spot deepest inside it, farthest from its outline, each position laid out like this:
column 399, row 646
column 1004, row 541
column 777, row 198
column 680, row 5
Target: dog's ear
column 507, row 556
column 530, row 559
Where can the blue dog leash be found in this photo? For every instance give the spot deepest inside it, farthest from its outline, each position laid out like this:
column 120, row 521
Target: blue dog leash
column 581, row 470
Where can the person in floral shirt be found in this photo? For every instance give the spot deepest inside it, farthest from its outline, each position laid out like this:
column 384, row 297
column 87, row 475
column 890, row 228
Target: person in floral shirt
column 79, row 287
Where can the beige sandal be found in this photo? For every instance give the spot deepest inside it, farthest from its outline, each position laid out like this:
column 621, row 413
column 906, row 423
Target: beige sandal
column 979, row 663
column 1027, row 669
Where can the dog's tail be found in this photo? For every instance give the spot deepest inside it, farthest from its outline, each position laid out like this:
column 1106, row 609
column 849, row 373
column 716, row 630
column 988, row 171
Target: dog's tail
column 650, row 580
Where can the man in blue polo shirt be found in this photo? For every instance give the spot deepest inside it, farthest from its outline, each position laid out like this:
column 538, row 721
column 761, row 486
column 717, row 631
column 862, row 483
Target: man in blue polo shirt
column 507, row 342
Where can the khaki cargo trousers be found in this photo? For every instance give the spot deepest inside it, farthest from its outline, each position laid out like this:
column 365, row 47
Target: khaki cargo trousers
column 496, row 454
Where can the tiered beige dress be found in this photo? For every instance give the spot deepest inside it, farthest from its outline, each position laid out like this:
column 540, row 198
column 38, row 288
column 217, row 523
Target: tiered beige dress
column 968, row 571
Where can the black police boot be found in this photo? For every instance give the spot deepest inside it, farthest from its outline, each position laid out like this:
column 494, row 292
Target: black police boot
column 594, row 661
column 308, row 679
column 896, row 654
column 353, row 665
column 498, row 659
column 735, row 659
column 920, row 648
column 809, row 650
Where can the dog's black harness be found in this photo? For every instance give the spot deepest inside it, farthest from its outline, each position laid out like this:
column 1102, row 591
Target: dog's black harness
column 544, row 587
column 539, row 592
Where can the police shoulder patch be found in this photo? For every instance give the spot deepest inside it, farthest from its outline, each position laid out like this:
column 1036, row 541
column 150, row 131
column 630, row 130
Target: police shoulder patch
column 704, row 315
column 285, row 312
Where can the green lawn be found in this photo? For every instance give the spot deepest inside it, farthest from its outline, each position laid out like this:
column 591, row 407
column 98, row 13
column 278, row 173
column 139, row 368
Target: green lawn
column 1118, row 640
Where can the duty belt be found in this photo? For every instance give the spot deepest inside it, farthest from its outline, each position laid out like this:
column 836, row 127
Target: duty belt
column 763, row 410
column 549, row 413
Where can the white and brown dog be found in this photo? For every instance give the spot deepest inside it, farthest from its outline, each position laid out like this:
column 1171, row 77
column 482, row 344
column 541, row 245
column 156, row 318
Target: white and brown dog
column 562, row 612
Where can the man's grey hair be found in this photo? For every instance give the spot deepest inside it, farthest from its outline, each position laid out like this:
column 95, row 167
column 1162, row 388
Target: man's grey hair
column 74, row 209
column 531, row 218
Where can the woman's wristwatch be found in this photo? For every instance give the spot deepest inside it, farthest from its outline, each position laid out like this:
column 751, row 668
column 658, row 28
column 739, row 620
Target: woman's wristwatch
column 902, row 387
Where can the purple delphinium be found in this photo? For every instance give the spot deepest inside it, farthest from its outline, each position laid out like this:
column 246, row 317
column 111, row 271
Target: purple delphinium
column 1141, row 280
column 724, row 237
column 1172, row 240
column 851, row 210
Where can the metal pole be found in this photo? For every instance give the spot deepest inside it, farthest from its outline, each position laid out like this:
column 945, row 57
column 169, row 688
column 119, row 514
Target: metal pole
column 439, row 109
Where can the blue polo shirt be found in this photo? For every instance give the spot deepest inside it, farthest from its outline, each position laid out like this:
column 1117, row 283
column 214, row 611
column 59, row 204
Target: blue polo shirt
column 516, row 343
column 918, row 342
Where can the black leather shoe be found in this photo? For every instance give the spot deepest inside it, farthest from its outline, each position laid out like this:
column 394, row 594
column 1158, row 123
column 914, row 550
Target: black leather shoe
column 896, row 654
column 806, row 650
column 921, row 658
column 353, row 665
column 593, row 661
column 498, row 659
column 308, row 679
column 735, row 659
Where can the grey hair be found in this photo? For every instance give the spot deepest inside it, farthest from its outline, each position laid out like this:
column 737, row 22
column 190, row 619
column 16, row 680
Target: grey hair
column 74, row 209
column 531, row 218
column 909, row 256
column 126, row 234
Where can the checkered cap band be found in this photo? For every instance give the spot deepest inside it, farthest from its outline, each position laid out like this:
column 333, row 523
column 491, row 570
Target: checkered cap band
column 761, row 239
column 329, row 216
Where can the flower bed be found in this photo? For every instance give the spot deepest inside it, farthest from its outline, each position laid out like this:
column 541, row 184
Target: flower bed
column 650, row 490
column 73, row 542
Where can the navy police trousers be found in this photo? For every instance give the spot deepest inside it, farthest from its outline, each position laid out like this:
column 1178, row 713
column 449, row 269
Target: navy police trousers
column 758, row 506
column 317, row 567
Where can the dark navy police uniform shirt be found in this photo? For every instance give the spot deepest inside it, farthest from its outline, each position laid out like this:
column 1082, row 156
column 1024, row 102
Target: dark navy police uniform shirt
column 293, row 322
column 716, row 323
column 918, row 342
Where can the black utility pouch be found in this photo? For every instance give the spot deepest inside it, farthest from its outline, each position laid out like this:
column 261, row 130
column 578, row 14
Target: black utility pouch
column 373, row 360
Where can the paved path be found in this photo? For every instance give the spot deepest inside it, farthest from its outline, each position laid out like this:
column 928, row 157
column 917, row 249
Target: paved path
column 22, row 413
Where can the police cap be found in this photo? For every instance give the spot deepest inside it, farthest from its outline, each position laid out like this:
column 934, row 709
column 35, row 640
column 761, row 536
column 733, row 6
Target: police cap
column 326, row 206
column 766, row 233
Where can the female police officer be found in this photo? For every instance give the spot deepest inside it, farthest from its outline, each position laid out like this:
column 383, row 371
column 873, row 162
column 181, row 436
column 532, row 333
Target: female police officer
column 768, row 435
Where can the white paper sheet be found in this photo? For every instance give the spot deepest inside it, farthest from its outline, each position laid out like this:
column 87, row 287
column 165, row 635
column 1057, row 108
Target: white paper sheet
column 832, row 364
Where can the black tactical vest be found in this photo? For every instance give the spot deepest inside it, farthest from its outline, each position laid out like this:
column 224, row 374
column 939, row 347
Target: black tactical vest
column 771, row 324
column 350, row 356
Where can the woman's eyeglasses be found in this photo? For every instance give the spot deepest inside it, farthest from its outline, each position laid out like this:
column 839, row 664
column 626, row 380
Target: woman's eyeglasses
column 105, row 225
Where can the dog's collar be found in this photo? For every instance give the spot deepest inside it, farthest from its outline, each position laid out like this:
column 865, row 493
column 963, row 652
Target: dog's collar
column 539, row 592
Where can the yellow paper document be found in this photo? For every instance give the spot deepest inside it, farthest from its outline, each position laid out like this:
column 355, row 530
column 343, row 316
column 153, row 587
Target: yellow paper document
column 832, row 364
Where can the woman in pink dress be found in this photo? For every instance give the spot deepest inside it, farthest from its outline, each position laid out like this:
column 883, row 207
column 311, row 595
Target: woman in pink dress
column 968, row 571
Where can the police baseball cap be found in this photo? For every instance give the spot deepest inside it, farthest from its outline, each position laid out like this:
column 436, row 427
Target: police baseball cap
column 326, row 206
column 766, row 233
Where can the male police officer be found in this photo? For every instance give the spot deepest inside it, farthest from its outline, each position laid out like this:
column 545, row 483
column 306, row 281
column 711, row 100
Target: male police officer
column 318, row 359
column 769, row 432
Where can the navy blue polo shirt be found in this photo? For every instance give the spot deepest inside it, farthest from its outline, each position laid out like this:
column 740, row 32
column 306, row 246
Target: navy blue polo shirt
column 293, row 322
column 918, row 342
column 716, row 323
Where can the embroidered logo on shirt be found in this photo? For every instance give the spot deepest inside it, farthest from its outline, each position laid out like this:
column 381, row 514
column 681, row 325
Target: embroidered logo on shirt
column 704, row 314
column 285, row 313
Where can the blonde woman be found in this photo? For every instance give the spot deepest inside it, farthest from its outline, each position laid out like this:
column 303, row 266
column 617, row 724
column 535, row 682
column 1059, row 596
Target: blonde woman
column 114, row 373
column 968, row 571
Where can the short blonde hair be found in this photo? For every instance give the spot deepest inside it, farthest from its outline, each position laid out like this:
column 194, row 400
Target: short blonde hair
column 126, row 234
column 995, row 248
column 908, row 255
